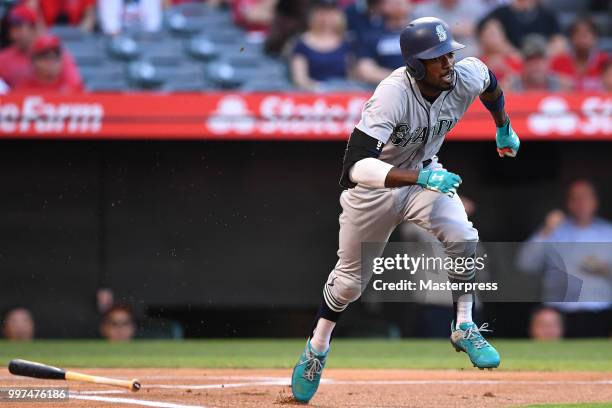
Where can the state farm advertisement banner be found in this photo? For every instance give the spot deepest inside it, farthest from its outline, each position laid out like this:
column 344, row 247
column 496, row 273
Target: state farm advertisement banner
column 291, row 116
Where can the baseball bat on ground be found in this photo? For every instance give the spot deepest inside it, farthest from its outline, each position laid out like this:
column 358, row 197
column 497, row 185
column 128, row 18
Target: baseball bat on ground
column 38, row 370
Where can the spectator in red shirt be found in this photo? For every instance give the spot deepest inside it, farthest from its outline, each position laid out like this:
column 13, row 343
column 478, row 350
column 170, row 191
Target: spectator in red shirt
column 497, row 52
column 69, row 12
column 583, row 65
column 536, row 74
column 51, row 71
column 253, row 15
column 15, row 59
column 606, row 76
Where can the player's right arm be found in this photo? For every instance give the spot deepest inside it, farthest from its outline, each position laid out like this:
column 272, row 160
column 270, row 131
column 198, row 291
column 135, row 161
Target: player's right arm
column 439, row 180
column 361, row 164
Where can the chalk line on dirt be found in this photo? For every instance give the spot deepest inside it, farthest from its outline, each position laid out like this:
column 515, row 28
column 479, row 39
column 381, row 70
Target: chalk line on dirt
column 98, row 392
column 467, row 382
column 133, row 401
column 286, row 381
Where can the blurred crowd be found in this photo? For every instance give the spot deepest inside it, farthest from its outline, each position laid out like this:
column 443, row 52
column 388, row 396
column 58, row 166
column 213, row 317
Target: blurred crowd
column 326, row 42
column 520, row 40
column 117, row 323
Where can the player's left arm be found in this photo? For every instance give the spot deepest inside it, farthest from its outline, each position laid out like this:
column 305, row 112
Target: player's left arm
column 493, row 99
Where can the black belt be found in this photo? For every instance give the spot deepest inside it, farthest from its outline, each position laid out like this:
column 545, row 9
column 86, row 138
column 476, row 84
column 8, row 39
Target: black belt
column 426, row 163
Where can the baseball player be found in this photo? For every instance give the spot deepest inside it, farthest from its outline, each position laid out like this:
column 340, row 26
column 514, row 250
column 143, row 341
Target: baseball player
column 392, row 175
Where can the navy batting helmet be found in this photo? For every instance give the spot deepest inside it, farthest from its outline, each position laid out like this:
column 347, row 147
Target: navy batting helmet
column 425, row 38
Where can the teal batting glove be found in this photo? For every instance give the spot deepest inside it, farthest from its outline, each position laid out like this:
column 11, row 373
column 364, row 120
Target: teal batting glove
column 507, row 140
column 441, row 181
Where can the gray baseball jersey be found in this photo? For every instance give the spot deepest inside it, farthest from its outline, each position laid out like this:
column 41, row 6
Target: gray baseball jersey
column 412, row 130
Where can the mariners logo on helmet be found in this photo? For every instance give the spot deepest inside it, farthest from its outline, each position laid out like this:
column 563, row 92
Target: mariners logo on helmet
column 441, row 32
column 425, row 38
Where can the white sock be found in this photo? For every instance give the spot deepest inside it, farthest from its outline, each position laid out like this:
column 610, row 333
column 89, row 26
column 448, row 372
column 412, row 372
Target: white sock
column 322, row 335
column 464, row 309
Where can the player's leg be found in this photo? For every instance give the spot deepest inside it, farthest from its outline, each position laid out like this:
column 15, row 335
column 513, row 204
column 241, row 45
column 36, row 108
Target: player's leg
column 446, row 218
column 368, row 215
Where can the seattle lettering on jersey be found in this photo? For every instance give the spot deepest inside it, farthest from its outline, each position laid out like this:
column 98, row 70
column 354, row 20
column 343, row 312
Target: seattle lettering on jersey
column 403, row 135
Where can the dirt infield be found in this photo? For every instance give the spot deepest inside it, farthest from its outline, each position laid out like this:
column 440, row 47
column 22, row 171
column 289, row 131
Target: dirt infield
column 176, row 388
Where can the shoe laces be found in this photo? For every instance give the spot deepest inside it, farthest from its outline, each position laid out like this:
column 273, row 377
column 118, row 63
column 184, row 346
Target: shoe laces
column 314, row 366
column 473, row 335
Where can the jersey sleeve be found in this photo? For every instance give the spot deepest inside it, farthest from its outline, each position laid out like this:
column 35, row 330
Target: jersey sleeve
column 300, row 48
column 475, row 73
column 383, row 112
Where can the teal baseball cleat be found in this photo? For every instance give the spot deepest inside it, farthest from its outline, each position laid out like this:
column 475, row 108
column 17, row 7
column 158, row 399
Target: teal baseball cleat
column 307, row 373
column 467, row 338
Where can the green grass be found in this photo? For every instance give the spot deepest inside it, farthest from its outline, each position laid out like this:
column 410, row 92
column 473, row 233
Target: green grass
column 584, row 405
column 273, row 353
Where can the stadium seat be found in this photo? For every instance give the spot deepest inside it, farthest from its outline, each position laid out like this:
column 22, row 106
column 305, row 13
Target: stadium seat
column 186, row 77
column 190, row 9
column 242, row 54
column 275, row 67
column 202, row 48
column 203, row 13
column 606, row 44
column 164, row 52
column 106, row 71
column 123, row 48
column 181, row 25
column 247, row 72
column 87, row 51
column 223, row 75
column 69, row 33
column 226, row 35
column 345, row 85
column 107, row 84
column 143, row 74
column 168, row 60
column 194, row 70
column 150, row 36
column 217, row 19
column 267, row 85
column 186, row 83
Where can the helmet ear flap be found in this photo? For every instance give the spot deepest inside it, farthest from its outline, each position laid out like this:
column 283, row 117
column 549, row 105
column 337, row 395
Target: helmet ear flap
column 415, row 68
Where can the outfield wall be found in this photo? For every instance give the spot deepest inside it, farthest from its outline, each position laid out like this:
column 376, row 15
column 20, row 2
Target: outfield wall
column 248, row 225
